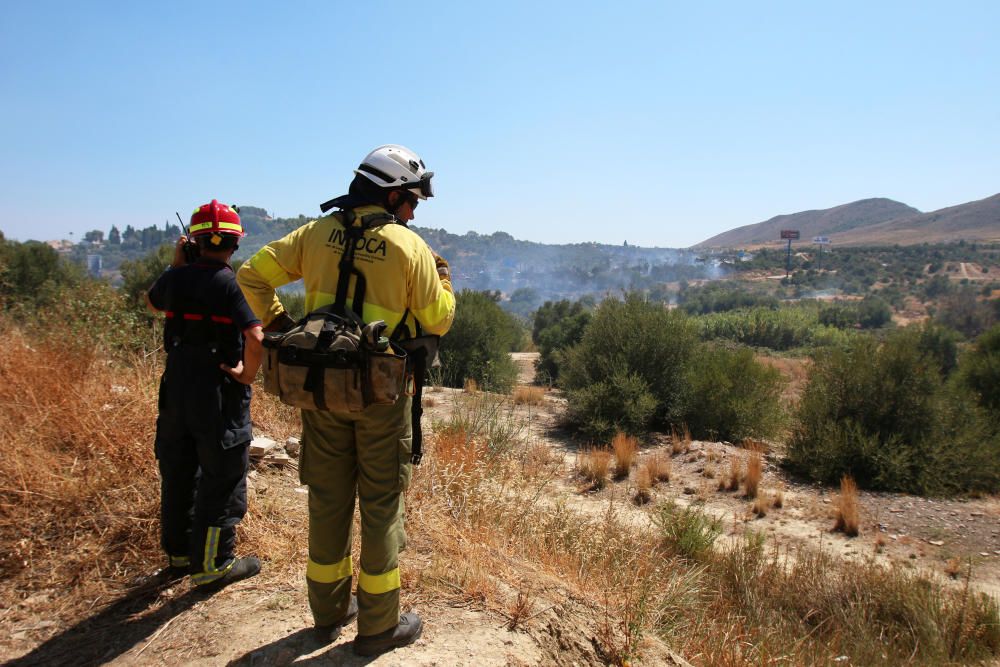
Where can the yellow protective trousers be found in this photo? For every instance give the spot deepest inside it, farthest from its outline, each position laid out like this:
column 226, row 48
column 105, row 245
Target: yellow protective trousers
column 364, row 454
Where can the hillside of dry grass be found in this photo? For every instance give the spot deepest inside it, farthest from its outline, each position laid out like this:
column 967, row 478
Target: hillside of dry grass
column 514, row 557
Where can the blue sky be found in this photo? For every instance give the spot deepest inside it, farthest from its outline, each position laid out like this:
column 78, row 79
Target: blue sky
column 653, row 122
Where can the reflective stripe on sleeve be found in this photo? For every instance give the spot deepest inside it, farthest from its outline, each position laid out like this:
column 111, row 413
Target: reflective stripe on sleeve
column 440, row 311
column 376, row 584
column 327, row 574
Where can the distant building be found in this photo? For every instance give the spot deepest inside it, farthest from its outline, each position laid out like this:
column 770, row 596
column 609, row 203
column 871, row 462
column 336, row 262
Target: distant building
column 94, row 265
column 60, row 246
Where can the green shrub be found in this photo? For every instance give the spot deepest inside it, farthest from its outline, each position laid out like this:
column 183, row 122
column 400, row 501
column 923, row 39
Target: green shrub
column 782, row 329
column 629, row 344
column 940, row 344
column 964, row 312
column 687, row 531
column 557, row 326
column 873, row 312
column 731, row 396
column 32, row 274
column 980, row 371
column 479, row 344
column 721, row 296
column 140, row 274
column 883, row 414
column 621, row 402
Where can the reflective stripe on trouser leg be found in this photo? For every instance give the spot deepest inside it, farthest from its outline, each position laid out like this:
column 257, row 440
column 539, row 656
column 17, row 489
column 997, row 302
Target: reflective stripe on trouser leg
column 384, row 443
column 209, row 571
column 327, row 465
column 179, row 561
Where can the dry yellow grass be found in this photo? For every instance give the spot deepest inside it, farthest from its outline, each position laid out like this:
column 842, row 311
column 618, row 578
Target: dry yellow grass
column 760, row 505
column 594, row 465
column 626, row 449
column 660, row 467
column 779, row 499
column 680, row 441
column 755, row 471
column 77, row 430
column 731, row 481
column 643, row 486
column 529, row 395
column 848, row 520
column 470, row 386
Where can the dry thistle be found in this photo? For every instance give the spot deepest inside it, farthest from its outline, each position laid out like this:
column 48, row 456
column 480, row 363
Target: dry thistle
column 529, row 395
column 626, row 448
column 953, row 567
column 520, row 611
column 848, row 519
column 755, row 470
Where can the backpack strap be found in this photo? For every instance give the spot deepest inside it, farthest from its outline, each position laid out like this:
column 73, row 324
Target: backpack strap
column 352, row 234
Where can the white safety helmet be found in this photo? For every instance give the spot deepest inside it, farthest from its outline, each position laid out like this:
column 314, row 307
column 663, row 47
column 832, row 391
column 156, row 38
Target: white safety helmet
column 394, row 166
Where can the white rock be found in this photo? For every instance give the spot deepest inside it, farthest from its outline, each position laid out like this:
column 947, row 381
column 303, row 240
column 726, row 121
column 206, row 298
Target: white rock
column 293, row 445
column 260, row 446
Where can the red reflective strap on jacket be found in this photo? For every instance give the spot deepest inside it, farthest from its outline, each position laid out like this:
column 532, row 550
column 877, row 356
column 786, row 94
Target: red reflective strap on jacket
column 219, row 319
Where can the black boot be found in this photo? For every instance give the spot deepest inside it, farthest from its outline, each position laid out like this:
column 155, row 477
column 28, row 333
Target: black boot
column 331, row 631
column 407, row 632
column 243, row 568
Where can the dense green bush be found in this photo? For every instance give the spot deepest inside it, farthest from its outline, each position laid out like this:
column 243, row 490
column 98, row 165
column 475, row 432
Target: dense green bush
column 721, row 296
column 629, row 343
column 884, row 415
column 621, row 402
column 138, row 275
column 39, row 289
column 479, row 344
column 964, row 312
column 980, row 371
column 783, row 329
column 32, row 274
column 730, row 395
column 557, row 326
column 640, row 366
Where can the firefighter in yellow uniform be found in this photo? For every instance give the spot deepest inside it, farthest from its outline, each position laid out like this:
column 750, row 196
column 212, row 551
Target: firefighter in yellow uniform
column 367, row 452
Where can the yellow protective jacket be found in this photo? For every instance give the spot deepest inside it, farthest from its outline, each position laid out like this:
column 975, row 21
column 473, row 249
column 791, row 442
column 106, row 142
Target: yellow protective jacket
column 399, row 269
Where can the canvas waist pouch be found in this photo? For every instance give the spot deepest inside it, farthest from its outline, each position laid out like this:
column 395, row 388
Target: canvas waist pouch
column 332, row 362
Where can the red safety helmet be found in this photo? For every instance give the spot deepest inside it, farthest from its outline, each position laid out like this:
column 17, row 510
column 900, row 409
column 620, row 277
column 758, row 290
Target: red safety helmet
column 215, row 218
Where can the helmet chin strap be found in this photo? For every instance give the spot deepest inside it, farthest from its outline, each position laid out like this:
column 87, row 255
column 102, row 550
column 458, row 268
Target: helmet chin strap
column 395, row 209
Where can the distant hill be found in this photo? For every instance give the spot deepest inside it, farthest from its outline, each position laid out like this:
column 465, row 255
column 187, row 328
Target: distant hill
column 874, row 222
column 973, row 221
column 824, row 222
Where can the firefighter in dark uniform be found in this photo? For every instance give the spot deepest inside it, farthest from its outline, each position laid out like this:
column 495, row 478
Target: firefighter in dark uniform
column 213, row 345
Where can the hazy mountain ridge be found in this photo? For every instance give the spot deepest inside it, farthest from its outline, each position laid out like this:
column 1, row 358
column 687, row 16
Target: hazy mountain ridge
column 874, row 222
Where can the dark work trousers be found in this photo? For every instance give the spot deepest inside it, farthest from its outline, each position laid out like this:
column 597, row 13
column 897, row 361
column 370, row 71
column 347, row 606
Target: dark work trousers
column 202, row 445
